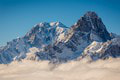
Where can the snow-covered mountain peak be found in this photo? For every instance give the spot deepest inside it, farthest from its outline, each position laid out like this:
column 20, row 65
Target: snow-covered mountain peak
column 45, row 33
column 40, row 36
column 90, row 21
column 58, row 24
column 54, row 41
column 44, row 24
column 91, row 24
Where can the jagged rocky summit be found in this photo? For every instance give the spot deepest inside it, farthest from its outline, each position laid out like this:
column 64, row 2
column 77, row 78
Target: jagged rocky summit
column 57, row 43
column 41, row 35
column 103, row 50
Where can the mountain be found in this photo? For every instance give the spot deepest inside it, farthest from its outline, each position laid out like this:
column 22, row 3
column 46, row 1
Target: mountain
column 39, row 36
column 88, row 28
column 103, row 50
column 55, row 42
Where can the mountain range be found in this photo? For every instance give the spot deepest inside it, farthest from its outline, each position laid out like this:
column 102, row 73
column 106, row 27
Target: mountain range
column 87, row 38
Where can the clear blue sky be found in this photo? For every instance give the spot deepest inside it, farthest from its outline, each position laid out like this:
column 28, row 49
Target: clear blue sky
column 18, row 16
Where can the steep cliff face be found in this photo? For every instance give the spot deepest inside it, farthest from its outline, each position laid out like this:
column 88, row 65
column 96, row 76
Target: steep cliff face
column 41, row 35
column 58, row 43
column 45, row 33
column 91, row 24
column 103, row 50
column 88, row 28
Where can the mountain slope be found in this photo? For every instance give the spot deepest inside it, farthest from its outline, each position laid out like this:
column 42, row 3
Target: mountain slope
column 41, row 35
column 88, row 28
column 57, row 43
column 103, row 50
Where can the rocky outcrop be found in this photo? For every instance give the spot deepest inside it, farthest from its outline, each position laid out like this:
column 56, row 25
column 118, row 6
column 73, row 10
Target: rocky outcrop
column 41, row 35
column 88, row 28
column 92, row 24
column 57, row 43
column 103, row 50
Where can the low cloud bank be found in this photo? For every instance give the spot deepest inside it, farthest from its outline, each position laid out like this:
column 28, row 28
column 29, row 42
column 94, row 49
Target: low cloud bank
column 74, row 70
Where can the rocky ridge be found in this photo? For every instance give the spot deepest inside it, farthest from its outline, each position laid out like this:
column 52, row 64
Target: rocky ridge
column 57, row 43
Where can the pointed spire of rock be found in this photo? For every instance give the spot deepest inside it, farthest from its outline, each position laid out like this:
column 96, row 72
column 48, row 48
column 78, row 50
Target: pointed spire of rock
column 91, row 23
column 91, row 14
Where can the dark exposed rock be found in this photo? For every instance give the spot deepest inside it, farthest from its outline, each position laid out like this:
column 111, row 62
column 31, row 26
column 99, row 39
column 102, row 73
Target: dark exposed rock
column 103, row 50
column 89, row 28
column 57, row 43
column 91, row 23
column 57, row 49
column 40, row 35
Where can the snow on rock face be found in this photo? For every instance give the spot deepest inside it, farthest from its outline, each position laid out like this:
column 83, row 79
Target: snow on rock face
column 55, row 42
column 92, row 24
column 94, row 47
column 88, row 29
column 15, row 48
column 103, row 50
column 41, row 35
column 45, row 33
column 31, row 55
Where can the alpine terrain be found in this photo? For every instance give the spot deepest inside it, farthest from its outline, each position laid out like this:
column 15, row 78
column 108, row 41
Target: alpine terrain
column 87, row 38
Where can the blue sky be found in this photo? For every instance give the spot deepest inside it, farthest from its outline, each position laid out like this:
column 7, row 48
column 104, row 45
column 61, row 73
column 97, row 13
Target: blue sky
column 18, row 16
